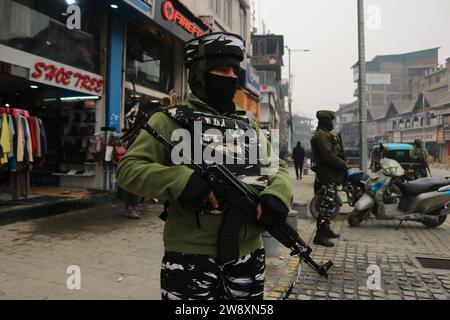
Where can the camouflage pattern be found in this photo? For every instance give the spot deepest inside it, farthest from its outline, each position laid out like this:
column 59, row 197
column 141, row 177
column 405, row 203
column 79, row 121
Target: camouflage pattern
column 235, row 152
column 327, row 202
column 200, row 277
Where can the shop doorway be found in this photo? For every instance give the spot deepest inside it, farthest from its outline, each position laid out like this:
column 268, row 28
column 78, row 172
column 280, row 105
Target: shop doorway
column 60, row 124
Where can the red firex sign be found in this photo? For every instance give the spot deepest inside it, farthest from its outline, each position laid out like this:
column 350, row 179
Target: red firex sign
column 170, row 14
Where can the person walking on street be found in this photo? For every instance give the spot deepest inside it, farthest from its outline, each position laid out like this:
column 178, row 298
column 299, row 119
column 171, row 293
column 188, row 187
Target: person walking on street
column 330, row 166
column 298, row 155
column 190, row 267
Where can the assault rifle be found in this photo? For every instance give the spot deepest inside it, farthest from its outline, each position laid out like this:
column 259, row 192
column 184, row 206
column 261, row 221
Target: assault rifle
column 241, row 202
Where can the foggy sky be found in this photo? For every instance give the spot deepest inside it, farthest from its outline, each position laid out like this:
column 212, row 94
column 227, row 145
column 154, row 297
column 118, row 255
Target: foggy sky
column 323, row 77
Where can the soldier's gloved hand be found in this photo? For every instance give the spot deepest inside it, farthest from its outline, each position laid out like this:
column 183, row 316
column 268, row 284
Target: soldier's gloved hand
column 196, row 192
column 271, row 211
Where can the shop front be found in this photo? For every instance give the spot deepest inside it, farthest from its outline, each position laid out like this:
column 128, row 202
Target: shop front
column 52, row 90
column 146, row 40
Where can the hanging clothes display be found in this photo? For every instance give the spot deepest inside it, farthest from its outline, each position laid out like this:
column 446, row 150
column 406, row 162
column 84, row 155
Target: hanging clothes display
column 23, row 143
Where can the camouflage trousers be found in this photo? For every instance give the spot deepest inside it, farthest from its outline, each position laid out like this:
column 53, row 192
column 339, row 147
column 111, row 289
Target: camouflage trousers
column 327, row 202
column 199, row 277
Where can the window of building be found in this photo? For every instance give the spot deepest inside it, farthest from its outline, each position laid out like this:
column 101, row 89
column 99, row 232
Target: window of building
column 38, row 27
column 226, row 12
column 259, row 47
column 271, row 46
column 243, row 22
column 218, row 7
column 149, row 61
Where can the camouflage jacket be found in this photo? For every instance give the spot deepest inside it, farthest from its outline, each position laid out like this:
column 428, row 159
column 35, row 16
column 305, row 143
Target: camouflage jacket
column 328, row 155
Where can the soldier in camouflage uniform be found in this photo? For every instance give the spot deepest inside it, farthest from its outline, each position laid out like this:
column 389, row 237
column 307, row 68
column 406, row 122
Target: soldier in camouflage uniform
column 420, row 155
column 190, row 268
column 330, row 167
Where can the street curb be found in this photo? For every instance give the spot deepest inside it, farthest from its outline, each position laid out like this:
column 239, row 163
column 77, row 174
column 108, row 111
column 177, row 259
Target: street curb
column 54, row 207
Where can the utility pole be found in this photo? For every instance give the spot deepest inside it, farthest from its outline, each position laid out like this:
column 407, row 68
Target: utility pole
column 290, row 100
column 424, row 119
column 362, row 84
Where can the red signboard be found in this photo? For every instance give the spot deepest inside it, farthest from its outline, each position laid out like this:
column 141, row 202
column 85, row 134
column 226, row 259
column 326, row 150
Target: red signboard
column 63, row 75
column 171, row 14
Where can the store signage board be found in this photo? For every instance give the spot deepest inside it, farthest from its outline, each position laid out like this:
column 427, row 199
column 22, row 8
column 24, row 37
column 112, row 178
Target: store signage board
column 429, row 136
column 54, row 73
column 267, row 89
column 252, row 80
column 379, row 79
column 169, row 13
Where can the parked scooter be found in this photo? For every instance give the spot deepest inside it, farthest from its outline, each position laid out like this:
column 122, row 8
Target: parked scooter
column 351, row 186
column 425, row 200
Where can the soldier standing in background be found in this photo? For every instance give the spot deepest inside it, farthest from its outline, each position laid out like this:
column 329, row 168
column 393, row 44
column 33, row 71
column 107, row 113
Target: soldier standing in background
column 330, row 166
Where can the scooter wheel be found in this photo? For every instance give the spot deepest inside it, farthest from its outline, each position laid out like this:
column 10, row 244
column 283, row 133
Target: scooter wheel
column 356, row 217
column 433, row 223
column 314, row 207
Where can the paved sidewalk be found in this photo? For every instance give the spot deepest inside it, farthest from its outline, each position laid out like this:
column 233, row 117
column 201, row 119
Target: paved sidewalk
column 119, row 258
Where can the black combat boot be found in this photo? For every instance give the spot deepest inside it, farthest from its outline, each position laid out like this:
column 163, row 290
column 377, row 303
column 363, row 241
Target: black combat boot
column 329, row 233
column 321, row 238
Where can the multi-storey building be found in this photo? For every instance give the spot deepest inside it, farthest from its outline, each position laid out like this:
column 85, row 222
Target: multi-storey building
column 347, row 122
column 268, row 51
column 302, row 128
column 397, row 76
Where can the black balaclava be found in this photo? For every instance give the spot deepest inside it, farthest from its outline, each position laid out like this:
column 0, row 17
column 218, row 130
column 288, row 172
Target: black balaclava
column 326, row 123
column 217, row 91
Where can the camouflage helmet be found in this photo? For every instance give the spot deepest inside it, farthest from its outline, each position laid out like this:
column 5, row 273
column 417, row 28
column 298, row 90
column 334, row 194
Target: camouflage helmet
column 325, row 115
column 217, row 44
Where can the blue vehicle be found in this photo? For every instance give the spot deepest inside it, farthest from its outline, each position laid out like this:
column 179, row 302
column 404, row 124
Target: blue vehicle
column 399, row 152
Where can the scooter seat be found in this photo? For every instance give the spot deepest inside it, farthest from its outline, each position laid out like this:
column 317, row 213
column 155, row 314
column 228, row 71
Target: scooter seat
column 424, row 185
